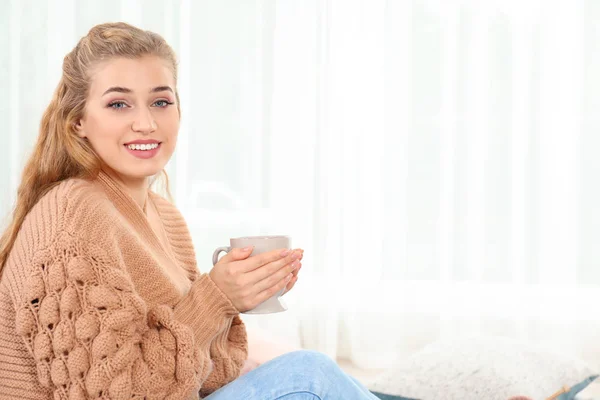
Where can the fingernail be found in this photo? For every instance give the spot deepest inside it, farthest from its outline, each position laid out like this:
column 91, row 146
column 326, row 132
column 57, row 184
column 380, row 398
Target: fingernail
column 245, row 249
column 295, row 265
column 285, row 253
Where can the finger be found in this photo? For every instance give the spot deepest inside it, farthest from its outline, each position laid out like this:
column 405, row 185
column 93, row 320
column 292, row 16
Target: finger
column 295, row 272
column 270, row 292
column 300, row 252
column 282, row 266
column 263, row 259
column 291, row 284
column 236, row 254
column 274, row 278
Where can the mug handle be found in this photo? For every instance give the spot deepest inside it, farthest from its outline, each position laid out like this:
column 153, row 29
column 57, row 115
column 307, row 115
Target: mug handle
column 218, row 251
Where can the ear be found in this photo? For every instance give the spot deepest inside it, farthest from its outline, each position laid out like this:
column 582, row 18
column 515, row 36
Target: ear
column 78, row 126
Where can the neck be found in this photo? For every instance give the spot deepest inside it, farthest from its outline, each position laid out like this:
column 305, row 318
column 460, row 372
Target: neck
column 137, row 188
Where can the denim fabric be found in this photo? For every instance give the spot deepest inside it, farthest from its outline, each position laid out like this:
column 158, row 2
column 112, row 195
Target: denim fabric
column 570, row 395
column 300, row 375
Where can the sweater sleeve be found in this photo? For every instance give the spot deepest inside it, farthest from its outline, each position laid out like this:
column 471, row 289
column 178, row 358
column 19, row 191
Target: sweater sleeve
column 92, row 336
column 229, row 350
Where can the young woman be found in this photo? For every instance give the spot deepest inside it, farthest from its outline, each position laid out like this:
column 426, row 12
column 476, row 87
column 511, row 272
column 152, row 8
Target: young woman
column 100, row 295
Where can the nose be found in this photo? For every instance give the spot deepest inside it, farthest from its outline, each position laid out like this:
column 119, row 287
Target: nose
column 144, row 122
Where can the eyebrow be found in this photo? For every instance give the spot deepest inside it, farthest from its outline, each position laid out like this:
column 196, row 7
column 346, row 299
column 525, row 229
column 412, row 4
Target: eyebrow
column 120, row 89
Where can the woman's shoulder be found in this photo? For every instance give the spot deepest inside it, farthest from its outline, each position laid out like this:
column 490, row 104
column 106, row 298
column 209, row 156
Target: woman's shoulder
column 73, row 195
column 73, row 190
column 55, row 213
column 67, row 202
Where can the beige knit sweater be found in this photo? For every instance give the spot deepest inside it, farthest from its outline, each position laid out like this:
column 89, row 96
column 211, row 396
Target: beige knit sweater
column 86, row 310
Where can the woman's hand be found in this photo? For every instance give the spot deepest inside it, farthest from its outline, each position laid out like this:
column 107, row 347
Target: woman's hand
column 294, row 279
column 248, row 281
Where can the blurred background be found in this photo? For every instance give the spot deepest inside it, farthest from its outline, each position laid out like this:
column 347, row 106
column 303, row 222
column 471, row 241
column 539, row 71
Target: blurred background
column 438, row 160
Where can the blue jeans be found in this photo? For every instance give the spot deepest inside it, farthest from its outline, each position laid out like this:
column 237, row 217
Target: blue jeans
column 300, row 375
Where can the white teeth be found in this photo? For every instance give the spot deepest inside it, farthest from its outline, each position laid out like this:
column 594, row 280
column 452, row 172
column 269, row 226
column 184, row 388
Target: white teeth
column 143, row 147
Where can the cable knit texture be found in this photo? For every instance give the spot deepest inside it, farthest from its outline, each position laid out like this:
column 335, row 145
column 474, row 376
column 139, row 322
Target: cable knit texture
column 86, row 311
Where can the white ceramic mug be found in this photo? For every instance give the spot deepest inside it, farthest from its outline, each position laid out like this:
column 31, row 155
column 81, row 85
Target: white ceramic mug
column 262, row 244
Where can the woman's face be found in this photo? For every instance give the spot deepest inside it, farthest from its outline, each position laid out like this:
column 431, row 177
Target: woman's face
column 131, row 118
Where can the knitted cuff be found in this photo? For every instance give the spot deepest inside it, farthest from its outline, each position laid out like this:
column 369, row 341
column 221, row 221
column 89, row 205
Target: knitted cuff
column 205, row 309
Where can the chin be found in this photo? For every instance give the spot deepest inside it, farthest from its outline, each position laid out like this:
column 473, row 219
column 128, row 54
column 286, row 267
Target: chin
column 139, row 173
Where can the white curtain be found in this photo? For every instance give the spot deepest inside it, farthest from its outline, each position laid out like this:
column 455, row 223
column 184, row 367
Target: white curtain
column 436, row 159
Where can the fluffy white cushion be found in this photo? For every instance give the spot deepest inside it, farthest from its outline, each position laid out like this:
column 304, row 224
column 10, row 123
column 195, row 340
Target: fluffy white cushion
column 481, row 368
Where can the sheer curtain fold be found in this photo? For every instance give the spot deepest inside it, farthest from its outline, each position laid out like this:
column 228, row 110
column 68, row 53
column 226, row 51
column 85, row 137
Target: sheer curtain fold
column 436, row 159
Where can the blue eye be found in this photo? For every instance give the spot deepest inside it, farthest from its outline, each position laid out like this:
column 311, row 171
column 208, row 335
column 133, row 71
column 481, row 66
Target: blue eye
column 162, row 103
column 117, row 105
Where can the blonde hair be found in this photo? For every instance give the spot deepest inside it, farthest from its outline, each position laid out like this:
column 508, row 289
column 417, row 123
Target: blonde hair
column 59, row 152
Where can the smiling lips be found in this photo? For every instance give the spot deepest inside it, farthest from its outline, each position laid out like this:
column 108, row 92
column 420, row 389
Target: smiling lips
column 143, row 148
